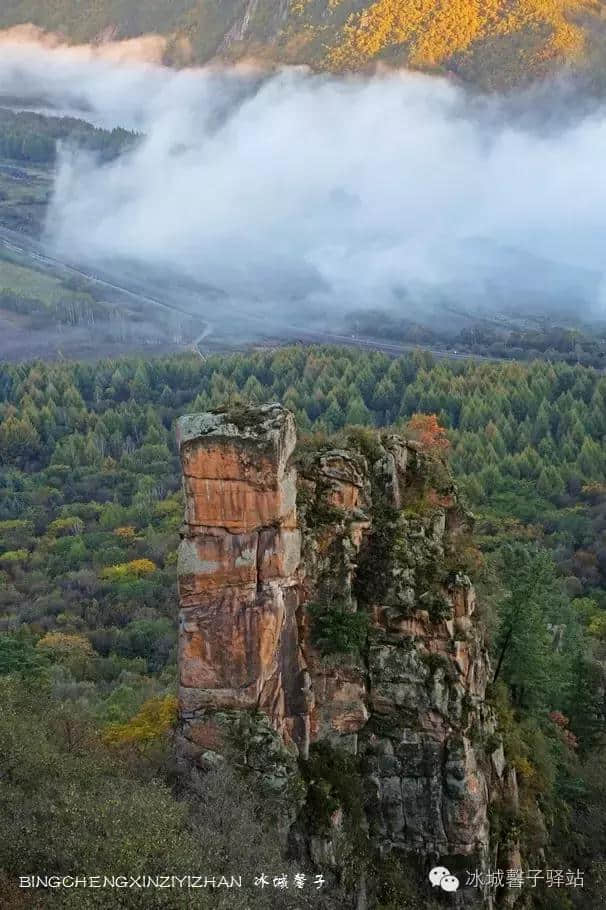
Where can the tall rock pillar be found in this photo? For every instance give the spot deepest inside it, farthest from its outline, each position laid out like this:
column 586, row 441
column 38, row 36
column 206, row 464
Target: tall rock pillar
column 237, row 577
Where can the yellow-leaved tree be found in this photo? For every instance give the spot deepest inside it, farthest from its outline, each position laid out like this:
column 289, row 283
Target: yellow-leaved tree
column 136, row 568
column 153, row 723
column 433, row 31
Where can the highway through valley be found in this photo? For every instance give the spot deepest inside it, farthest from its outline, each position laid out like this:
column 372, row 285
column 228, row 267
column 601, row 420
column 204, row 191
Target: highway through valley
column 39, row 256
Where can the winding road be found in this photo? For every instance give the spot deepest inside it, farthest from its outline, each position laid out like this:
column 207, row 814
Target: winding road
column 40, row 256
column 36, row 252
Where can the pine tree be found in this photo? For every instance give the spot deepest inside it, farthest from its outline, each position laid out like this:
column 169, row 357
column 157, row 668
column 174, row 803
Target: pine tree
column 357, row 413
column 523, row 641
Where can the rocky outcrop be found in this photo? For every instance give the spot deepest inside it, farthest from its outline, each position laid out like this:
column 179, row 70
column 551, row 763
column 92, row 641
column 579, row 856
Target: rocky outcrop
column 325, row 604
column 238, row 575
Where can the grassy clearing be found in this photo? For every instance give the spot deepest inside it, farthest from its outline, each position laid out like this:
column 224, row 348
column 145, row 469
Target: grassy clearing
column 30, row 282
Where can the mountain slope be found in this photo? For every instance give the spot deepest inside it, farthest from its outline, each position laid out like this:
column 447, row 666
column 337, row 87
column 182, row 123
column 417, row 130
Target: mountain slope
column 488, row 42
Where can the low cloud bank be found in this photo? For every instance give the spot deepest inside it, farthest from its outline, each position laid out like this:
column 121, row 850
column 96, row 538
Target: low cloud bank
column 295, row 190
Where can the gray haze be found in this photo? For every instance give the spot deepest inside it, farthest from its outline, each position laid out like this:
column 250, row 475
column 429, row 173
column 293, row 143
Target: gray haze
column 296, row 191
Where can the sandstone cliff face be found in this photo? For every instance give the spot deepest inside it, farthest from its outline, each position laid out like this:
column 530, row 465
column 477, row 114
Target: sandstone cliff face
column 238, row 575
column 323, row 605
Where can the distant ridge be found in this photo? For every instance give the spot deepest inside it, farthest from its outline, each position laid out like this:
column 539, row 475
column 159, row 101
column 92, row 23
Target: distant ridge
column 489, row 43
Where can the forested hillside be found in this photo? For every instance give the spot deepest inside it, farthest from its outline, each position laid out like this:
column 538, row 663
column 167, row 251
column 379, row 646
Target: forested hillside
column 90, row 508
column 32, row 138
column 492, row 43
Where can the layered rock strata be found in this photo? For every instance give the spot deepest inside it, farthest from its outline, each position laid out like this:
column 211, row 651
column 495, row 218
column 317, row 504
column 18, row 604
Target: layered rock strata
column 238, row 573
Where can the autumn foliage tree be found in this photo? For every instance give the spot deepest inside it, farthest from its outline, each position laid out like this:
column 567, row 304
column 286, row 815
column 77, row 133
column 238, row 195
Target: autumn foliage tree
column 153, row 721
column 145, row 739
column 426, row 429
column 136, row 568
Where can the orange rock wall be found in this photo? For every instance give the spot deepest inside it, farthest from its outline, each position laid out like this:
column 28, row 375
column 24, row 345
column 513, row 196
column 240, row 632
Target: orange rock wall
column 237, row 574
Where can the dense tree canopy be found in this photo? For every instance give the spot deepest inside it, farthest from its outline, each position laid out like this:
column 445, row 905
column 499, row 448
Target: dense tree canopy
column 91, row 503
column 33, row 138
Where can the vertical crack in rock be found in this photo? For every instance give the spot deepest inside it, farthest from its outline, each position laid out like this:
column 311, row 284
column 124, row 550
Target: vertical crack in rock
column 237, row 574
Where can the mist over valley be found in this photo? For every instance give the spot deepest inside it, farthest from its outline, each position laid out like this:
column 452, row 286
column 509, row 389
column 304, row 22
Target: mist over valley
column 283, row 204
